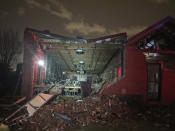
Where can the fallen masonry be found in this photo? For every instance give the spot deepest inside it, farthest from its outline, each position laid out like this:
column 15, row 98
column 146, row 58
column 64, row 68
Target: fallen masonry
column 70, row 113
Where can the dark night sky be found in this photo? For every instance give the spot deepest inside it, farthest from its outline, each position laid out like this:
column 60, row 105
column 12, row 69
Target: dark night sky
column 90, row 18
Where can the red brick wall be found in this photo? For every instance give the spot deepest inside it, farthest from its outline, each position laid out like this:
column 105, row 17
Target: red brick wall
column 168, row 87
column 27, row 66
column 32, row 53
column 135, row 81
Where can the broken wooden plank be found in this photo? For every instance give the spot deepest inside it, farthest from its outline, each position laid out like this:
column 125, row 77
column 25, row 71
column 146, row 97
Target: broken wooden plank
column 37, row 101
column 14, row 113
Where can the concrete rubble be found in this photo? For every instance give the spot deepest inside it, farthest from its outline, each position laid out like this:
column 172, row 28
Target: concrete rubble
column 68, row 113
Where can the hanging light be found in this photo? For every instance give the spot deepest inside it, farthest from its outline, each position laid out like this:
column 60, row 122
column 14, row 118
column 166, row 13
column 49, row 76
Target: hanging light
column 79, row 51
column 63, row 72
column 81, row 62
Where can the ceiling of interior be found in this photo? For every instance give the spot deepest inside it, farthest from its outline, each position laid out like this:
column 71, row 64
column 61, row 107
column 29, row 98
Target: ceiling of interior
column 97, row 53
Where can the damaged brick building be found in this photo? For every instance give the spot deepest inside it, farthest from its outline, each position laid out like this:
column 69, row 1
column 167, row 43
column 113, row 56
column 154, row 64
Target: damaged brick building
column 142, row 67
column 150, row 65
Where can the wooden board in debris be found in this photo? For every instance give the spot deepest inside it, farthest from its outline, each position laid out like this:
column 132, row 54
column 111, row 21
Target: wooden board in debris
column 34, row 104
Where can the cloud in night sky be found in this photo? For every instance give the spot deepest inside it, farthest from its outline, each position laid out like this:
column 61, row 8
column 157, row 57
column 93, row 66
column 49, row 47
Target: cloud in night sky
column 21, row 11
column 131, row 30
column 59, row 10
column 79, row 17
column 85, row 28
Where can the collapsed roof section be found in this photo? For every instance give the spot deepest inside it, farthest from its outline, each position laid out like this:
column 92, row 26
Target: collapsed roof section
column 46, row 36
column 81, row 55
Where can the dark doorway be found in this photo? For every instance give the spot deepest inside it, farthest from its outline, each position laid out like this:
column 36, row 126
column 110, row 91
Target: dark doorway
column 154, row 82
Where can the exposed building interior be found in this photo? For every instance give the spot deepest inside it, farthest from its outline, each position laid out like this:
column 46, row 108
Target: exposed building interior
column 77, row 66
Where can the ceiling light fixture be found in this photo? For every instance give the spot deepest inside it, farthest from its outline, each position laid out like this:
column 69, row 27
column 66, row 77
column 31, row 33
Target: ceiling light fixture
column 81, row 62
column 79, row 51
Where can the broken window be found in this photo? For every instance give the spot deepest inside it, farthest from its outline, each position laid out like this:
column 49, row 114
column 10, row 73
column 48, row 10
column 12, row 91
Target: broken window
column 161, row 39
column 144, row 45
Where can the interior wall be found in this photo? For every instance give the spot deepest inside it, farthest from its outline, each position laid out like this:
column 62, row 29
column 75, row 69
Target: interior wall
column 113, row 67
column 54, row 72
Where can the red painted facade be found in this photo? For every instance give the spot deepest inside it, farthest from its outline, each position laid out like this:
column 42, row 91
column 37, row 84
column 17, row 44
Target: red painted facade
column 168, row 87
column 135, row 81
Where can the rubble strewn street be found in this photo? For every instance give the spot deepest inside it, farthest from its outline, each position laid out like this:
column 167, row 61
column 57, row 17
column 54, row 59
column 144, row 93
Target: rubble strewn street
column 73, row 113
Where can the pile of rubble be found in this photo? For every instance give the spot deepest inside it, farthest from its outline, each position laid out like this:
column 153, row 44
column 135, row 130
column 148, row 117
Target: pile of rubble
column 68, row 113
column 162, row 117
